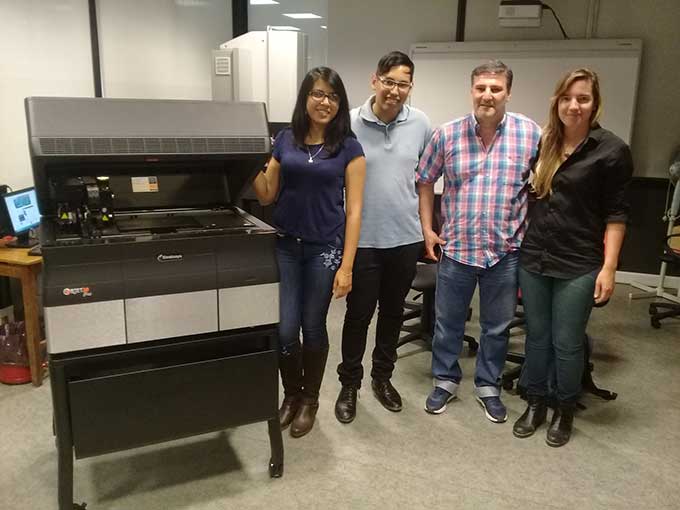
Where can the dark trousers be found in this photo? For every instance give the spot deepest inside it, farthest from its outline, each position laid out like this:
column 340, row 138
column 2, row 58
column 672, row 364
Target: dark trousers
column 307, row 271
column 557, row 312
column 380, row 277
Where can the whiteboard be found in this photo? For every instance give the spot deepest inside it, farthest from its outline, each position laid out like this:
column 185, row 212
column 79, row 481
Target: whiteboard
column 442, row 76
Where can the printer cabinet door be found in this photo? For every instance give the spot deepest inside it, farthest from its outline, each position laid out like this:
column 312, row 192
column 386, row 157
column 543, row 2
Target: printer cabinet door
column 171, row 315
column 84, row 326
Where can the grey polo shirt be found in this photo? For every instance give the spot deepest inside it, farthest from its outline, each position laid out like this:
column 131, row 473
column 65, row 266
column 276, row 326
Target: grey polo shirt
column 389, row 217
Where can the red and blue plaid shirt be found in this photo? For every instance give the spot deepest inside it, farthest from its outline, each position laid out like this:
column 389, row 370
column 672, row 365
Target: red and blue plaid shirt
column 484, row 204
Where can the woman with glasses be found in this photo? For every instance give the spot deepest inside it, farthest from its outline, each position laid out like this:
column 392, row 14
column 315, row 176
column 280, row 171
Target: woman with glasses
column 316, row 179
column 579, row 181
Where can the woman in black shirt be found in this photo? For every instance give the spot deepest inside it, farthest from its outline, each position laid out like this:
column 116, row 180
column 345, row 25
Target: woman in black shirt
column 579, row 181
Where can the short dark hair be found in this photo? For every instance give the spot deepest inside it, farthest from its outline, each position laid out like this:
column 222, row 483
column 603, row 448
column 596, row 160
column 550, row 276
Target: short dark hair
column 493, row 67
column 393, row 59
column 340, row 127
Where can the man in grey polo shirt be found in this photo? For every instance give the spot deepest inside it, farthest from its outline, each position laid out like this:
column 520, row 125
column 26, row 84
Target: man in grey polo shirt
column 393, row 136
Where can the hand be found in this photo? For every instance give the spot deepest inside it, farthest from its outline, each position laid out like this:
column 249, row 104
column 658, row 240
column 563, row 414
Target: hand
column 431, row 240
column 604, row 285
column 342, row 284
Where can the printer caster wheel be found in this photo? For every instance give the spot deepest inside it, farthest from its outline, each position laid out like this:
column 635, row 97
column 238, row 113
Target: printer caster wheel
column 275, row 470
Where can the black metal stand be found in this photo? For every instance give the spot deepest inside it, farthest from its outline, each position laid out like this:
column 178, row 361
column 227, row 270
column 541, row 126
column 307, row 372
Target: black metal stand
column 113, row 399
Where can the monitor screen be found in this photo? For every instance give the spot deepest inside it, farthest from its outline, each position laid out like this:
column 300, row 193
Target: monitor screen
column 22, row 209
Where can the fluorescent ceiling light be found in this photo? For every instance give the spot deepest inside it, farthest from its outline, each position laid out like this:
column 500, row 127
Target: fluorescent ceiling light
column 324, row 27
column 302, row 15
column 282, row 27
column 263, row 2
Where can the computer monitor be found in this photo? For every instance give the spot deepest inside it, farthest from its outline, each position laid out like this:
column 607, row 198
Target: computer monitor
column 23, row 213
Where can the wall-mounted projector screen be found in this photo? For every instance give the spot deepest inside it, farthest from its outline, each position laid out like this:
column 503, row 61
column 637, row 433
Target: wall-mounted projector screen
column 442, row 76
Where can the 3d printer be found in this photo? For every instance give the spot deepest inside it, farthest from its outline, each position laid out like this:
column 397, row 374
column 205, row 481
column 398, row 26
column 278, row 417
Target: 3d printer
column 160, row 295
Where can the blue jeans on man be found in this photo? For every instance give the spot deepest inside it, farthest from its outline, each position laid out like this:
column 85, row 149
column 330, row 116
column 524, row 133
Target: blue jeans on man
column 456, row 285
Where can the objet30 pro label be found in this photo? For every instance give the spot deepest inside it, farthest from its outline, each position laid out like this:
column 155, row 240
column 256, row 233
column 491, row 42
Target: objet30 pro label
column 74, row 291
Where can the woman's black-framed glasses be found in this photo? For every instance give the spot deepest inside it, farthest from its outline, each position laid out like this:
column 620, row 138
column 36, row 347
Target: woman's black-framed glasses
column 319, row 95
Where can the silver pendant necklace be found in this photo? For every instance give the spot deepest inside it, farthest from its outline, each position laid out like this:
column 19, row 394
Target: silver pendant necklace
column 311, row 158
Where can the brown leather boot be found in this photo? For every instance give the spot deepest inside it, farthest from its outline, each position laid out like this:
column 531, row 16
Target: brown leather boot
column 314, row 364
column 290, row 366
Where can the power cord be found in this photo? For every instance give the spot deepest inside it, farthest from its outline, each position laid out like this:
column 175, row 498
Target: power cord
column 548, row 8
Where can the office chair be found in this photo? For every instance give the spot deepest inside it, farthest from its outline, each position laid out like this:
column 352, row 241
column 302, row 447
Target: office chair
column 659, row 310
column 422, row 308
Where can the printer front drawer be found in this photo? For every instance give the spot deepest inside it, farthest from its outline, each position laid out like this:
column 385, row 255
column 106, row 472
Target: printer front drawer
column 128, row 410
column 170, row 315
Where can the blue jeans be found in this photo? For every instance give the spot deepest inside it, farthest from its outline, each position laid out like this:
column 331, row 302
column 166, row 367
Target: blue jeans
column 306, row 271
column 557, row 312
column 456, row 284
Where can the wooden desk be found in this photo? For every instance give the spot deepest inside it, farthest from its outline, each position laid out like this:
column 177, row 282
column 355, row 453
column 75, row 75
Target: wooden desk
column 16, row 263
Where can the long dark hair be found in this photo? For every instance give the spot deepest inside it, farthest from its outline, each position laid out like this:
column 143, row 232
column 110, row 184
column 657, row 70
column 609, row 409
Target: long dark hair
column 340, row 127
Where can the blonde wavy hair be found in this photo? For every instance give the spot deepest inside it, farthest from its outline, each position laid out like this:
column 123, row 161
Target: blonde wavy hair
column 552, row 139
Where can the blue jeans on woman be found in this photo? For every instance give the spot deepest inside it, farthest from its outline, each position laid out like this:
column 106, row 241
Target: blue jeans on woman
column 456, row 284
column 306, row 272
column 557, row 312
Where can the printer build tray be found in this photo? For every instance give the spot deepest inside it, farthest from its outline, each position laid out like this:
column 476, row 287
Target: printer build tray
column 225, row 220
column 182, row 222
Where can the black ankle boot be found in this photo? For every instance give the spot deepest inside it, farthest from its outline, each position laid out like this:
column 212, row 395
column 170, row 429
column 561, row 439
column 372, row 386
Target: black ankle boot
column 346, row 405
column 533, row 417
column 561, row 424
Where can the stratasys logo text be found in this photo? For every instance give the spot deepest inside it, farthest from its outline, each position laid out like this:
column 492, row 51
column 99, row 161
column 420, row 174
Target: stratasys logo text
column 74, row 291
column 169, row 257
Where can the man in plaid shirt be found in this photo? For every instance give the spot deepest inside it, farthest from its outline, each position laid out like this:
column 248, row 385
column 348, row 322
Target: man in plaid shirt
column 485, row 158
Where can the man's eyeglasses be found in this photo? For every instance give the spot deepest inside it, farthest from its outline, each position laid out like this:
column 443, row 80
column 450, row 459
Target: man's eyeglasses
column 389, row 84
column 319, row 95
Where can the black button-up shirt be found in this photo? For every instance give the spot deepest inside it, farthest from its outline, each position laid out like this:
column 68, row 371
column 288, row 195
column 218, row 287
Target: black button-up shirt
column 566, row 230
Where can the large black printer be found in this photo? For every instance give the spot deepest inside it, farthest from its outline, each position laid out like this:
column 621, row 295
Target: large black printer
column 160, row 295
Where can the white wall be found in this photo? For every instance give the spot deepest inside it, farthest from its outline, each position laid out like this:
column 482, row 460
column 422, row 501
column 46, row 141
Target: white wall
column 160, row 48
column 45, row 47
column 656, row 129
column 156, row 48
column 360, row 32
column 656, row 133
column 148, row 48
